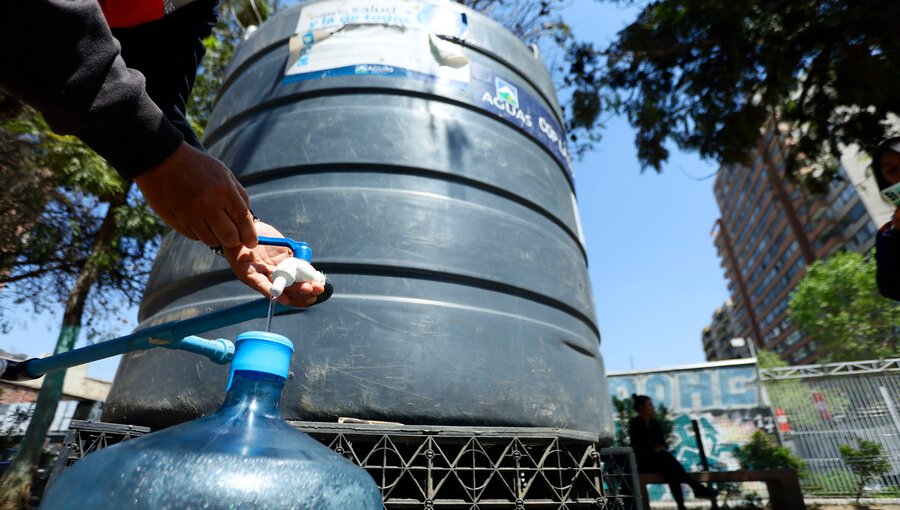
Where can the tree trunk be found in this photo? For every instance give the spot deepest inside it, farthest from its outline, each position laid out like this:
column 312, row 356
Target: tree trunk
column 16, row 484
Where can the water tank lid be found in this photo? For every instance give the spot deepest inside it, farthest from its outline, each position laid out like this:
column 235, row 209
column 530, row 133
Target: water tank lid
column 260, row 351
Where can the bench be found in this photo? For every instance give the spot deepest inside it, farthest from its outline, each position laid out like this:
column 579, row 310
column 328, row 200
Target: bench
column 782, row 484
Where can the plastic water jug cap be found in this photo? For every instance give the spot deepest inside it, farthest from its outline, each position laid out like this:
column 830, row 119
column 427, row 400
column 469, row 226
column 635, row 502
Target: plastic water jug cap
column 260, row 351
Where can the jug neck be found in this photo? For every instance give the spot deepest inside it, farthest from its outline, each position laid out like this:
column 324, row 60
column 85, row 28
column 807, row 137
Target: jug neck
column 254, row 393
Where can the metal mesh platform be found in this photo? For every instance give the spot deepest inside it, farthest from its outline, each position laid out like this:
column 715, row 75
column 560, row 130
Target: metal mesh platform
column 451, row 467
column 84, row 437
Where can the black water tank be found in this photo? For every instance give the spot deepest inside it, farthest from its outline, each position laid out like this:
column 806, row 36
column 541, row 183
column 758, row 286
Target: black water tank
column 417, row 147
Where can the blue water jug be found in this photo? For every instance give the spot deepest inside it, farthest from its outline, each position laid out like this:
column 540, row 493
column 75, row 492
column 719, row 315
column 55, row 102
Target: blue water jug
column 243, row 456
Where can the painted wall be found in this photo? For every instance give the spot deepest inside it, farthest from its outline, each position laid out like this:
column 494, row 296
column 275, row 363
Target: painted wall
column 723, row 397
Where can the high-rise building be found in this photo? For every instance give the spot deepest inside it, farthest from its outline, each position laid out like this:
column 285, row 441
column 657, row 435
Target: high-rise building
column 771, row 229
column 718, row 335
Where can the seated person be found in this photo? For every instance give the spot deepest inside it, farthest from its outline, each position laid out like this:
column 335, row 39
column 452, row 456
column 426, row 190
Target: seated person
column 652, row 453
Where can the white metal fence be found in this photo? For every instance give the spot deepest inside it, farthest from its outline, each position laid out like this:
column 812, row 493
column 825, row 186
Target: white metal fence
column 818, row 408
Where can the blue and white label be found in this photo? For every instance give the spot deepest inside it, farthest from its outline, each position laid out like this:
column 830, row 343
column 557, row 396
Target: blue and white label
column 508, row 101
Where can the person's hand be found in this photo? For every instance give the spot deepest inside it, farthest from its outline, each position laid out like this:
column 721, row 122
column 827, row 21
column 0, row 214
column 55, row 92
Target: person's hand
column 896, row 219
column 254, row 266
column 195, row 194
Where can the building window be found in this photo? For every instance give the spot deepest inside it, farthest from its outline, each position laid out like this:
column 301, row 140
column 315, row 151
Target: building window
column 855, row 214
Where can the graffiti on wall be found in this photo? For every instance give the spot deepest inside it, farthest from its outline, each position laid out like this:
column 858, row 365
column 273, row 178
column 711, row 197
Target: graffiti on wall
column 722, row 433
column 725, row 400
column 684, row 391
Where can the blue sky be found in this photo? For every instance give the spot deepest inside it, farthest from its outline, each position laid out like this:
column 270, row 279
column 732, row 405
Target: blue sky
column 654, row 270
column 653, row 266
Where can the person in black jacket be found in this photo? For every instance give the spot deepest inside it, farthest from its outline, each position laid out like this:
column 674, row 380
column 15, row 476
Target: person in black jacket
column 117, row 74
column 652, row 453
column 886, row 166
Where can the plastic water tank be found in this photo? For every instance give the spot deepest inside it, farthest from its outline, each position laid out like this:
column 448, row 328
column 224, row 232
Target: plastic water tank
column 417, row 146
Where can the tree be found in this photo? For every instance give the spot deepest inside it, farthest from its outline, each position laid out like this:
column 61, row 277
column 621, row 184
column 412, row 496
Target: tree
column 81, row 197
column 235, row 17
column 868, row 462
column 761, row 452
column 666, row 424
column 23, row 186
column 837, row 303
column 624, row 412
column 574, row 66
column 708, row 75
column 87, row 248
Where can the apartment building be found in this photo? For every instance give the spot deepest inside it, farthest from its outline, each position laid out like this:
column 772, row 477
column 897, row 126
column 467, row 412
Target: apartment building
column 771, row 230
column 718, row 334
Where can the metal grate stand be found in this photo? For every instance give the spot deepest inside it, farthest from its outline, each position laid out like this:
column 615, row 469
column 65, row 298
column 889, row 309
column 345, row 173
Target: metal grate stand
column 84, row 437
column 446, row 467
column 436, row 467
column 620, row 479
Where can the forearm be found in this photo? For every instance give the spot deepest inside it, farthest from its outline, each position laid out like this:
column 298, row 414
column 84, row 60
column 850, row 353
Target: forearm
column 60, row 57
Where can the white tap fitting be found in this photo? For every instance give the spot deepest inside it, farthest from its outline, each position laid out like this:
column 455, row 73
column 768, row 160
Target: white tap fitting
column 291, row 270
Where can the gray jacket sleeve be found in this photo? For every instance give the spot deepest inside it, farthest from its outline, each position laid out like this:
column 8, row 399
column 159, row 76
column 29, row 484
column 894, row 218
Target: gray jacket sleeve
column 59, row 57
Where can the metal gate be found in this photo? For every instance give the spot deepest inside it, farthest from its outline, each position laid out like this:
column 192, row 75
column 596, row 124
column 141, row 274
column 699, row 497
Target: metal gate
column 818, row 408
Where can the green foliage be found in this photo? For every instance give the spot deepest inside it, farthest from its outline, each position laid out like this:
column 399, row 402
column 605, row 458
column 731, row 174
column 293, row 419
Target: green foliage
column 24, row 185
column 768, row 359
column 667, row 425
column 709, row 74
column 838, row 304
column 624, row 412
column 868, row 462
column 219, row 51
column 623, row 409
column 66, row 208
column 577, row 70
column 82, row 245
column 235, row 17
column 761, row 452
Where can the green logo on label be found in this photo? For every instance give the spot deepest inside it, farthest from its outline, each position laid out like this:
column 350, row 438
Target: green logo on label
column 506, row 92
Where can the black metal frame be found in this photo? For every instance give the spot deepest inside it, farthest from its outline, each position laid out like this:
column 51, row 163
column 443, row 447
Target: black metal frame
column 84, row 437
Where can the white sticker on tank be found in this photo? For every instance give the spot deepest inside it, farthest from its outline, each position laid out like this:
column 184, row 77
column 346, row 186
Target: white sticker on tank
column 373, row 50
column 332, row 15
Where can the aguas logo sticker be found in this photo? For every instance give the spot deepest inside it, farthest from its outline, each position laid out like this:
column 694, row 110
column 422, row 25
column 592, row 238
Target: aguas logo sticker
column 506, row 91
column 506, row 99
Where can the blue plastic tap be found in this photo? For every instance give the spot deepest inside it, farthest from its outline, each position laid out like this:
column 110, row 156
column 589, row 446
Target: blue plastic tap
column 301, row 250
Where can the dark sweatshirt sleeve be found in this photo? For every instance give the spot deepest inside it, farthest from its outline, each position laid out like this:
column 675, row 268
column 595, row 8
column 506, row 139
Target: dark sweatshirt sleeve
column 59, row 57
column 887, row 262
